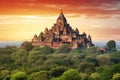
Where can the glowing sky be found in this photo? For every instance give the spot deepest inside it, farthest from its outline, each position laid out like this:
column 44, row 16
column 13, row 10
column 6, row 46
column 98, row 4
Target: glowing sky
column 21, row 19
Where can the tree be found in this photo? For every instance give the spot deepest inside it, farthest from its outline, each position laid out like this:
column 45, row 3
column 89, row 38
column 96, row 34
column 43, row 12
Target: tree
column 41, row 75
column 3, row 74
column 100, row 69
column 65, row 48
column 86, row 67
column 75, row 51
column 55, row 78
column 91, row 50
column 27, row 45
column 84, row 76
column 71, row 74
column 91, row 59
column 19, row 56
column 115, row 56
column 103, row 59
column 5, row 54
column 19, row 76
column 56, row 72
column 47, row 50
column 35, row 55
column 111, row 45
column 95, row 76
column 116, row 76
column 7, row 77
column 108, row 73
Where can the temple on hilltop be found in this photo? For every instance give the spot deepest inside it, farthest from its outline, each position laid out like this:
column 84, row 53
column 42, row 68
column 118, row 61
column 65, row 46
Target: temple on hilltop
column 62, row 33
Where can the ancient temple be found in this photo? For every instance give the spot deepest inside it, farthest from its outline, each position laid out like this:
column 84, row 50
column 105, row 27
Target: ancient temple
column 62, row 33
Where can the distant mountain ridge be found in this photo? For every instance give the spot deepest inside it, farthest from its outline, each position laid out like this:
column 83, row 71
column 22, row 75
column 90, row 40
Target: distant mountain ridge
column 18, row 43
column 103, row 44
column 10, row 43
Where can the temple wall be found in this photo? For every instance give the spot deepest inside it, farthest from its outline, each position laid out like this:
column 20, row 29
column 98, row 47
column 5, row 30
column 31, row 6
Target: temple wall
column 56, row 44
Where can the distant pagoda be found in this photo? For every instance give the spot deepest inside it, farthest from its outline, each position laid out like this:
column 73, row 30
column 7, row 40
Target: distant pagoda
column 62, row 33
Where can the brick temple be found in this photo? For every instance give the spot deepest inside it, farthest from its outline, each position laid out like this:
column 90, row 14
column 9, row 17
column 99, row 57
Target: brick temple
column 62, row 33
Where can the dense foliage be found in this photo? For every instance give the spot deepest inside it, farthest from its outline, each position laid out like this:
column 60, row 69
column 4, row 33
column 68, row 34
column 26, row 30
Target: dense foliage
column 45, row 63
column 111, row 45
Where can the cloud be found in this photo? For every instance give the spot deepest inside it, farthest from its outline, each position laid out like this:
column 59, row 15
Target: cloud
column 90, row 8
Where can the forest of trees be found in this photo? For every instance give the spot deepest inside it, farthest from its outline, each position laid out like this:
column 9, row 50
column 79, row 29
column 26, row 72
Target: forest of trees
column 64, row 63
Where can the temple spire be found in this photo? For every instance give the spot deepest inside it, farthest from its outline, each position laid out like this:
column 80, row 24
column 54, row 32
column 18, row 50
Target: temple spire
column 61, row 11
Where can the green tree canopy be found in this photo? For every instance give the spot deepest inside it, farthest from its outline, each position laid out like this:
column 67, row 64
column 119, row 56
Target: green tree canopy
column 41, row 75
column 84, row 76
column 86, row 67
column 19, row 76
column 5, row 53
column 116, row 76
column 58, row 71
column 103, row 59
column 3, row 74
column 95, row 76
column 108, row 73
column 111, row 45
column 19, row 56
column 27, row 45
column 65, row 48
column 35, row 55
column 47, row 50
column 71, row 74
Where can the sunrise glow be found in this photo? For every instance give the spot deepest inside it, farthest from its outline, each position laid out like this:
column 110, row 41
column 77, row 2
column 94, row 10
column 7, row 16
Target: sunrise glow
column 21, row 19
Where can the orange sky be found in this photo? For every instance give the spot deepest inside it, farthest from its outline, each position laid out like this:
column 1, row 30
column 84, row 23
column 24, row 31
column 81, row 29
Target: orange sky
column 21, row 19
